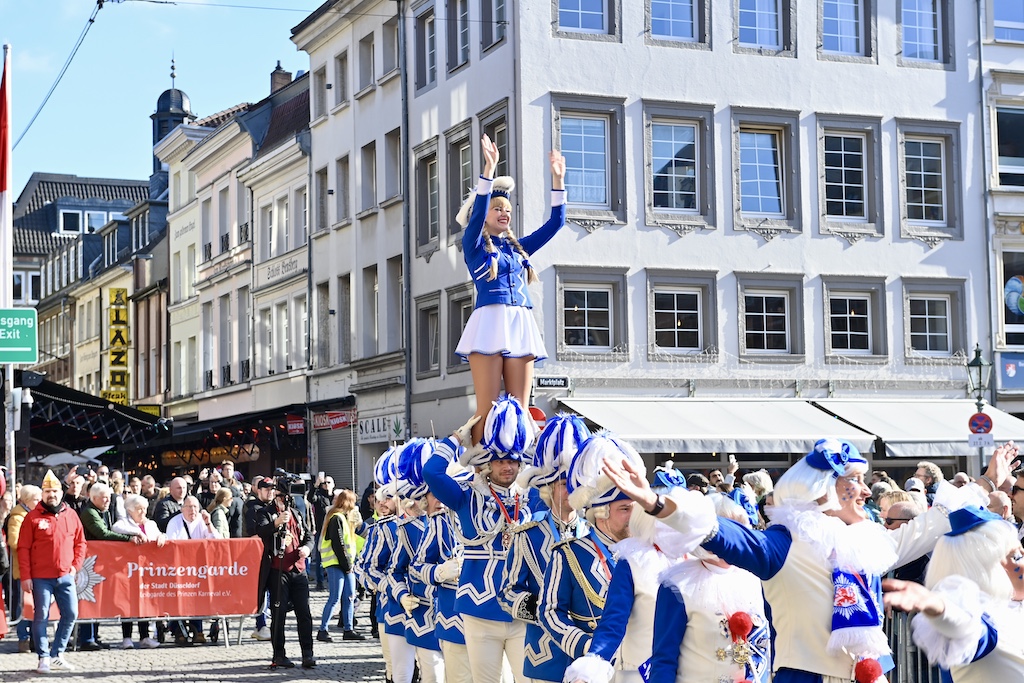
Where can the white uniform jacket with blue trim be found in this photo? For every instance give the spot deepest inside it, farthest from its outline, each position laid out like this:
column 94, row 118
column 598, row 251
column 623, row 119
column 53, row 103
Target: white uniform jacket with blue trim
column 481, row 523
column 510, row 286
column 438, row 545
column 575, row 591
column 378, row 567
column 524, row 578
column 419, row 626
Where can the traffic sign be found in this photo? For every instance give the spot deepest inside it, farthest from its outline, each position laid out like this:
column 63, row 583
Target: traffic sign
column 980, row 423
column 19, row 335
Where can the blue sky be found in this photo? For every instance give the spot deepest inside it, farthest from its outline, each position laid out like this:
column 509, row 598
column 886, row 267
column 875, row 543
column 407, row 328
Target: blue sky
column 96, row 123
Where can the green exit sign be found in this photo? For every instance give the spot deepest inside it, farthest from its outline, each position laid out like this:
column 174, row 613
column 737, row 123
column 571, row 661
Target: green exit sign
column 19, row 336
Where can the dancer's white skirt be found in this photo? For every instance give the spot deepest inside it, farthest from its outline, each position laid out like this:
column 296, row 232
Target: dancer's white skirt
column 499, row 329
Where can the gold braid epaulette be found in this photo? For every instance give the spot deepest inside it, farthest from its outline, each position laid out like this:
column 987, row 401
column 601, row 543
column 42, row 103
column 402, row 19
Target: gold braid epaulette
column 574, row 566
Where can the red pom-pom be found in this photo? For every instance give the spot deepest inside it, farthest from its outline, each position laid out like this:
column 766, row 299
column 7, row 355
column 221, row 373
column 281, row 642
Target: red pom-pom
column 867, row 671
column 740, row 625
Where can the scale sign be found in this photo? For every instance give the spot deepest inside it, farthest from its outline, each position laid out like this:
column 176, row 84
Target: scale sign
column 981, row 441
column 19, row 336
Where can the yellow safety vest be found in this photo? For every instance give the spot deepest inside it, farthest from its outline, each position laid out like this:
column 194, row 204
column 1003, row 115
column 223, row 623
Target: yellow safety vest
column 327, row 556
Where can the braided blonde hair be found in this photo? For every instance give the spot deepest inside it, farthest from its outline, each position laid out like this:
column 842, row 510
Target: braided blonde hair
column 492, row 271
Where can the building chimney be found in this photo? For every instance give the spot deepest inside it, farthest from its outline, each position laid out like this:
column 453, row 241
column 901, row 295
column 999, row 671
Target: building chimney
column 279, row 78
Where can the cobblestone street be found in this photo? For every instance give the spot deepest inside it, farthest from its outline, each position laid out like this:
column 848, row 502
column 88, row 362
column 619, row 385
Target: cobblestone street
column 347, row 661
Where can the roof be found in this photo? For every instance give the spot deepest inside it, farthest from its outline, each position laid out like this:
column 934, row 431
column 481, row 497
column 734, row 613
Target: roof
column 215, row 120
column 43, row 189
column 39, row 242
column 287, row 119
column 174, row 101
column 317, row 13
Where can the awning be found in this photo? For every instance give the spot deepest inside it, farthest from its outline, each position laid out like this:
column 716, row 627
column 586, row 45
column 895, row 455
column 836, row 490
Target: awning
column 693, row 425
column 922, row 428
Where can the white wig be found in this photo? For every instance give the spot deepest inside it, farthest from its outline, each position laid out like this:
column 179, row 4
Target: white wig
column 803, row 484
column 977, row 555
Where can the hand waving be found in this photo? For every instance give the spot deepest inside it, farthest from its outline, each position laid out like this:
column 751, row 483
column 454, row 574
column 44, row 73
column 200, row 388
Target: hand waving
column 491, row 156
column 557, row 170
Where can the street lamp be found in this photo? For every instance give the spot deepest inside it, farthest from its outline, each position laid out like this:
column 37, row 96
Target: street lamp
column 979, row 372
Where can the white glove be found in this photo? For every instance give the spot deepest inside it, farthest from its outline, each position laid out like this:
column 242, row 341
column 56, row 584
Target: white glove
column 409, row 603
column 589, row 669
column 449, row 570
column 465, row 432
column 354, row 518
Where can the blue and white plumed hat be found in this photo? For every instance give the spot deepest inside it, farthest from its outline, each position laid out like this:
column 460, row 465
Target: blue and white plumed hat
column 667, row 477
column 385, row 472
column 835, row 455
column 562, row 438
column 506, row 435
column 587, row 485
column 963, row 520
column 414, row 454
column 502, row 186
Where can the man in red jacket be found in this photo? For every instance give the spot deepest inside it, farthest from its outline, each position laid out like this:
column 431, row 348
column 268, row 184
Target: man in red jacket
column 51, row 550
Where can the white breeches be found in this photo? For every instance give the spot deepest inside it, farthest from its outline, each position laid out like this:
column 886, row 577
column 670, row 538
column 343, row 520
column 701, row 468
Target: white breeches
column 456, row 663
column 487, row 640
column 403, row 658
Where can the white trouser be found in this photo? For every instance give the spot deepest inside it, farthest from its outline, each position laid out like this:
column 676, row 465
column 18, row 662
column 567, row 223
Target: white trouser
column 431, row 665
column 456, row 663
column 628, row 676
column 403, row 658
column 487, row 640
column 385, row 648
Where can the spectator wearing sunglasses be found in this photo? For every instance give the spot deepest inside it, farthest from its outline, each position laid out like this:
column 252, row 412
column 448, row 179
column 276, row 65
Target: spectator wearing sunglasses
column 899, row 514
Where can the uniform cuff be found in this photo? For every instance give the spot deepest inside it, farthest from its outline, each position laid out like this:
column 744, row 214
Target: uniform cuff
column 557, row 197
column 483, row 185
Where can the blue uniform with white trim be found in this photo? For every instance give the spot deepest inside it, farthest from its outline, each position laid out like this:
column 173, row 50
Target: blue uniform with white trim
column 419, row 626
column 438, row 545
column 482, row 523
column 524, row 576
column 575, row 591
column 378, row 566
column 510, row 286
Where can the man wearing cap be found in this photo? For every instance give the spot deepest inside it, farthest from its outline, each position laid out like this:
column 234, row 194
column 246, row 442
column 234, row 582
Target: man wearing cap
column 489, row 511
column 534, row 542
column 51, row 549
column 819, row 562
column 576, row 583
column 286, row 545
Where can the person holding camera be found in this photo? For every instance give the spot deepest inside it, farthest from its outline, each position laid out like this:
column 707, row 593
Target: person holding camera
column 287, row 543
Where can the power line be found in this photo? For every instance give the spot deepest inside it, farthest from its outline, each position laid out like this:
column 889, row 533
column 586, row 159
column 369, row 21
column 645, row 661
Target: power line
column 200, row 3
column 74, row 51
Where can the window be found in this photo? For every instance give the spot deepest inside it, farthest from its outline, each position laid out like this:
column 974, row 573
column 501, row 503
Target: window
column 94, row 220
column 370, row 312
column 426, row 50
column 366, row 65
column 588, row 133
column 592, row 316
column 71, row 221
column 266, row 336
column 843, row 27
column 368, row 175
column 458, row 33
column 395, row 311
column 18, row 292
column 759, row 23
column 302, row 202
column 283, row 232
column 583, row 16
column 303, row 335
column 854, row 318
column 494, row 23
column 497, row 130
column 393, row 163
column 460, row 171
column 676, row 20
column 1013, row 297
column 929, row 174
column 344, row 316
column 323, row 327
column 460, row 307
column 681, row 318
column 923, row 32
column 933, row 320
column 1010, row 142
column 343, row 192
column 389, row 36
column 320, row 92
column 767, row 186
column 428, row 335
column 244, row 335
column 224, row 220
column 428, row 195
column 341, row 78
column 1008, row 20
column 267, row 230
column 850, row 183
column 679, row 182
column 283, row 341
column 771, row 317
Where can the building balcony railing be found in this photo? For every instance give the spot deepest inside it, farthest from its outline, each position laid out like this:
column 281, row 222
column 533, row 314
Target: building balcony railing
column 208, row 380
column 208, row 251
column 244, row 370
column 225, row 375
column 243, row 233
column 225, row 242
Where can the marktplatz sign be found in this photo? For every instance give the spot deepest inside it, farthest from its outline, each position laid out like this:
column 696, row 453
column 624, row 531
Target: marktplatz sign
column 19, row 335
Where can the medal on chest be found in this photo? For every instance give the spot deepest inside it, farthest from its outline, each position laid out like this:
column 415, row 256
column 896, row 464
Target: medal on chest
column 510, row 522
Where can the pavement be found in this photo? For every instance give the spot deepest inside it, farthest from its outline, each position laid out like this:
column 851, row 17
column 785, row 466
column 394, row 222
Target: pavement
column 345, row 661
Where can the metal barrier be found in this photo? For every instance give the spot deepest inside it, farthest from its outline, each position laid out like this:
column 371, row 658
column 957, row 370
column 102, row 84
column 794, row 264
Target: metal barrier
column 911, row 664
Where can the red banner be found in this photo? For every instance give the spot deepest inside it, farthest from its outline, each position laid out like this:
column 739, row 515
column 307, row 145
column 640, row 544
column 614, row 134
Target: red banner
column 334, row 419
column 296, row 424
column 181, row 579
